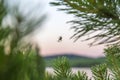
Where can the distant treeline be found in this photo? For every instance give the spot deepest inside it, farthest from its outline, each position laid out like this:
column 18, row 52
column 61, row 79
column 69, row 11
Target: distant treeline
column 76, row 60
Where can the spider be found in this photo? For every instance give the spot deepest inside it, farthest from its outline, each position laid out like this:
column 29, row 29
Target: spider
column 60, row 39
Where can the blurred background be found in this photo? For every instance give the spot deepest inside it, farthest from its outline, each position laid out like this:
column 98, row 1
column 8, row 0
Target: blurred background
column 37, row 39
column 53, row 36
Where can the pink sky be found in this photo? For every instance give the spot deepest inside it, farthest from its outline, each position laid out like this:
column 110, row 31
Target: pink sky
column 56, row 26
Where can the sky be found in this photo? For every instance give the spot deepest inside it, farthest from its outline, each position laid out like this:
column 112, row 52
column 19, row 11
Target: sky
column 54, row 26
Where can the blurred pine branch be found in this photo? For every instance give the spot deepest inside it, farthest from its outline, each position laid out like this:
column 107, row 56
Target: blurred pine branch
column 18, row 62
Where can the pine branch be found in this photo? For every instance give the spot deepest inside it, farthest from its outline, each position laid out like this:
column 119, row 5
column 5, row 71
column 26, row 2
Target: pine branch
column 62, row 69
column 113, row 59
column 93, row 16
column 100, row 72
